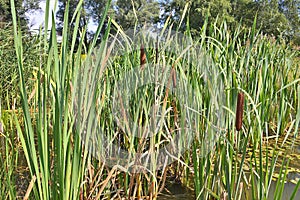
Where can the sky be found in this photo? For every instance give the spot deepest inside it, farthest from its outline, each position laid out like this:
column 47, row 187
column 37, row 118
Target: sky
column 37, row 18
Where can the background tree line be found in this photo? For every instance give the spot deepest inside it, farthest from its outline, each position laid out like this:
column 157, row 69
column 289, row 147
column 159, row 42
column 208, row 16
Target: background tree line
column 278, row 18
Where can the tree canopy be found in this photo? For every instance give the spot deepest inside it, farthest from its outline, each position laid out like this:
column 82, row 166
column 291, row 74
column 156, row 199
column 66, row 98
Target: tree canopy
column 279, row 18
column 130, row 13
column 22, row 7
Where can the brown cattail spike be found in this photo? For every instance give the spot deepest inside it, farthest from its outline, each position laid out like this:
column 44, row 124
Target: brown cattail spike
column 142, row 57
column 239, row 111
column 156, row 53
column 174, row 77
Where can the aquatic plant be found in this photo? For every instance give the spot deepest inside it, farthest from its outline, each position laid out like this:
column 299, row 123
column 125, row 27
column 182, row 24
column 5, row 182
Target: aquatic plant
column 75, row 103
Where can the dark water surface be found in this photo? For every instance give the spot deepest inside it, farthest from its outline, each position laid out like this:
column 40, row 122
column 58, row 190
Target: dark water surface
column 176, row 191
column 290, row 150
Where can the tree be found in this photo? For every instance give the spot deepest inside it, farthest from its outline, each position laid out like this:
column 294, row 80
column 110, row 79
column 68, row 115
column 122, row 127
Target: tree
column 95, row 9
column 269, row 19
column 129, row 13
column 291, row 8
column 279, row 18
column 126, row 13
column 198, row 11
column 83, row 22
column 22, row 7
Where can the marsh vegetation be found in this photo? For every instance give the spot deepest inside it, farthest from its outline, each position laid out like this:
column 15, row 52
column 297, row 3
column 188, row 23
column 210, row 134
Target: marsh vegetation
column 68, row 98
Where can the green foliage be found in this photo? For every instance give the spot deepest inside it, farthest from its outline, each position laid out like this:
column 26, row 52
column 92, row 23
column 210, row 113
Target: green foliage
column 269, row 18
column 9, row 73
column 9, row 155
column 290, row 8
column 83, row 20
column 50, row 125
column 199, row 10
column 264, row 71
column 22, row 6
column 50, row 138
column 274, row 18
column 130, row 13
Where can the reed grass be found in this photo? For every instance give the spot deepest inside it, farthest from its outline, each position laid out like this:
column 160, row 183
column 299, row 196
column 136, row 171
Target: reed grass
column 258, row 71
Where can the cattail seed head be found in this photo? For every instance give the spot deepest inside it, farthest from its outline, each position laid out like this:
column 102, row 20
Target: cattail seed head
column 156, row 53
column 239, row 111
column 174, row 77
column 142, row 56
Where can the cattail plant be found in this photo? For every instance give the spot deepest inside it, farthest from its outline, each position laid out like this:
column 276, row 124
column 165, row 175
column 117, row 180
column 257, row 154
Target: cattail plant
column 51, row 128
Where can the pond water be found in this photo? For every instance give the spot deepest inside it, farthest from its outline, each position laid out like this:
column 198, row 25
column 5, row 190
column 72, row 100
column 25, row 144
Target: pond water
column 287, row 192
column 290, row 150
column 176, row 191
column 179, row 192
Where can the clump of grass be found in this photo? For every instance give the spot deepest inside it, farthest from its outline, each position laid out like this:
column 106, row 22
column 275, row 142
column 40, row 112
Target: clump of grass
column 260, row 67
column 52, row 148
column 11, row 187
column 8, row 65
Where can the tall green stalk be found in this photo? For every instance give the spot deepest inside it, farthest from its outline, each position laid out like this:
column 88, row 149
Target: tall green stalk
column 52, row 148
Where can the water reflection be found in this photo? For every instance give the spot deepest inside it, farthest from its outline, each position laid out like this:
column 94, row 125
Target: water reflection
column 287, row 191
column 176, row 191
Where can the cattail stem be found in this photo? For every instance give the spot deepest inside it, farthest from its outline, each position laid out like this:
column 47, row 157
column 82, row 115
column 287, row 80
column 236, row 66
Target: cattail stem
column 239, row 111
